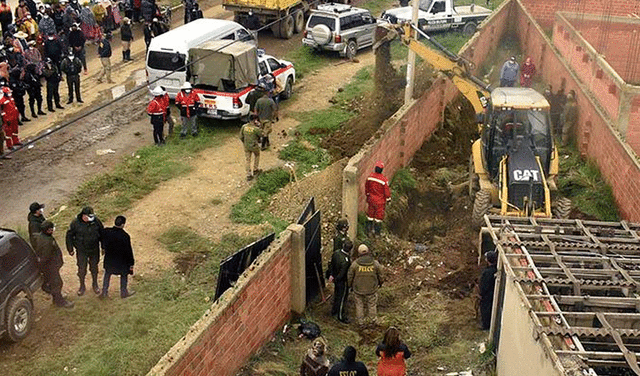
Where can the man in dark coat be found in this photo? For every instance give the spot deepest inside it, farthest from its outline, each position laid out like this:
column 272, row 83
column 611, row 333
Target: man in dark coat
column 50, row 262
column 77, row 42
column 487, row 283
column 84, row 235
column 35, row 218
column 126, row 35
column 118, row 257
column 337, row 273
column 348, row 365
column 71, row 67
column 52, row 75
column 53, row 49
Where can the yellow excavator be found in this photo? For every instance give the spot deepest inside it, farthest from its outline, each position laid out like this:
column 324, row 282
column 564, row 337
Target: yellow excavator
column 514, row 163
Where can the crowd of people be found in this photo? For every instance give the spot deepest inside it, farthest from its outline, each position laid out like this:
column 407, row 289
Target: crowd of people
column 391, row 352
column 85, row 238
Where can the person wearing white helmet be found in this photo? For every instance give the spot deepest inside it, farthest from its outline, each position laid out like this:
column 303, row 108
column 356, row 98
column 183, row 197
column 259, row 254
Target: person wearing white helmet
column 156, row 111
column 188, row 101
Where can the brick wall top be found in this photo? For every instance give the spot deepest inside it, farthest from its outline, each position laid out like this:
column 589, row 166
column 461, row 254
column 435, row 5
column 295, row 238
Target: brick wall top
column 188, row 349
column 543, row 10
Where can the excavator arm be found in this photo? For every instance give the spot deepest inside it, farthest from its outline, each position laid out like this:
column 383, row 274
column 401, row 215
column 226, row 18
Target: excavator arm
column 445, row 61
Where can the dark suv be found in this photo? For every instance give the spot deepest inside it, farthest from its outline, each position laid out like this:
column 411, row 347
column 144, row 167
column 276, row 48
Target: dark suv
column 19, row 279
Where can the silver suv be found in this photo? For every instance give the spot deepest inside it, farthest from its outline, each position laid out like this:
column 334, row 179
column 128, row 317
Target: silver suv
column 340, row 27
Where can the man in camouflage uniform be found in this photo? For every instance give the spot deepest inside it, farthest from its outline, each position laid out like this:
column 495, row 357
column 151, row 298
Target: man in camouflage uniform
column 250, row 135
column 365, row 278
column 569, row 117
column 50, row 262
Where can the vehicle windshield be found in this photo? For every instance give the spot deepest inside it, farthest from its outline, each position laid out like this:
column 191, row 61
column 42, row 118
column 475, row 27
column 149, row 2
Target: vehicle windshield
column 167, row 61
column 533, row 124
column 424, row 5
column 322, row 20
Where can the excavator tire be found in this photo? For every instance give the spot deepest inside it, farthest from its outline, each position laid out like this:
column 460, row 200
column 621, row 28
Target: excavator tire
column 481, row 206
column 562, row 208
column 474, row 180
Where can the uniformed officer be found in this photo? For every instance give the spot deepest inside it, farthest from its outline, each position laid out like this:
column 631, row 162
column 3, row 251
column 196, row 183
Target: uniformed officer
column 337, row 273
column 365, row 278
column 250, row 135
column 50, row 262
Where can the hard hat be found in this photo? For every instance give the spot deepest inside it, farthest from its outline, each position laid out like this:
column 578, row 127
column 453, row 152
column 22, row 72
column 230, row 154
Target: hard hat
column 379, row 164
column 157, row 91
column 186, row 85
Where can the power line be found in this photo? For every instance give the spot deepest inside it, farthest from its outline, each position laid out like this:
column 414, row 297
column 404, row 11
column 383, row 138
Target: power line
column 135, row 90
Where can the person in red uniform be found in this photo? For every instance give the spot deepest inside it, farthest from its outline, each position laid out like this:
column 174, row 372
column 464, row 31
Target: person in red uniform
column 167, row 111
column 10, row 117
column 188, row 101
column 156, row 110
column 527, row 71
column 378, row 193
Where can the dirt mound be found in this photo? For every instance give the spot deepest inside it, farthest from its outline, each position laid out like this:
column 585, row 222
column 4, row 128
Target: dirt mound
column 325, row 186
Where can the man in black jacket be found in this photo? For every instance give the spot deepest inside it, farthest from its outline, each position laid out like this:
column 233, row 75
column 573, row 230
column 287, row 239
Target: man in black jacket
column 126, row 35
column 51, row 73
column 35, row 219
column 50, row 262
column 337, row 273
column 104, row 52
column 84, row 235
column 348, row 365
column 77, row 42
column 71, row 67
column 118, row 257
column 487, row 283
column 53, row 49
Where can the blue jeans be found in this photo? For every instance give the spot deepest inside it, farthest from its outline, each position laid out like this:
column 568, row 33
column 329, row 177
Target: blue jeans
column 123, row 283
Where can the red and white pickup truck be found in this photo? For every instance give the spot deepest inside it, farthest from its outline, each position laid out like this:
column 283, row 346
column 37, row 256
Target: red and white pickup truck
column 223, row 73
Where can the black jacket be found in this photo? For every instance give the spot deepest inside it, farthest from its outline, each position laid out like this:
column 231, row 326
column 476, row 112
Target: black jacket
column 118, row 254
column 53, row 49
column 104, row 48
column 339, row 266
column 126, row 34
column 403, row 349
column 71, row 67
column 351, row 369
column 48, row 251
column 76, row 38
column 51, row 73
column 487, row 282
column 34, row 227
column 84, row 236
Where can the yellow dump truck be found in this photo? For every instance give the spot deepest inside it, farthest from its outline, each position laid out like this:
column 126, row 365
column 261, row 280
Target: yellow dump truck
column 284, row 17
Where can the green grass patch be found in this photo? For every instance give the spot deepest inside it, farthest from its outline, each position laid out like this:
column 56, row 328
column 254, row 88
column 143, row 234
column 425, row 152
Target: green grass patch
column 306, row 159
column 403, row 181
column 136, row 176
column 306, row 60
column 582, row 182
column 252, row 207
column 183, row 239
column 129, row 336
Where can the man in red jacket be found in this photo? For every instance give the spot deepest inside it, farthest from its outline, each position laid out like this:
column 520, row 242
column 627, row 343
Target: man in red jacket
column 10, row 117
column 378, row 193
column 156, row 110
column 188, row 101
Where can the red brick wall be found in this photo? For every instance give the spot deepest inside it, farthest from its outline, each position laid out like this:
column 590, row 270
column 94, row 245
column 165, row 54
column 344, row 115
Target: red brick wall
column 544, row 10
column 256, row 311
column 596, row 139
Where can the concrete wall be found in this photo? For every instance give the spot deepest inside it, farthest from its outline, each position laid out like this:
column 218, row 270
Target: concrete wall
column 520, row 352
column 544, row 10
column 597, row 135
column 246, row 316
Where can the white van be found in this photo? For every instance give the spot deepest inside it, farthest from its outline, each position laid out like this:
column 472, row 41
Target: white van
column 170, row 51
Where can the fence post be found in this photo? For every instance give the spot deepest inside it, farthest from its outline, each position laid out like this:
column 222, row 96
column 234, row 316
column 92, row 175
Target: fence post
column 350, row 198
column 298, row 278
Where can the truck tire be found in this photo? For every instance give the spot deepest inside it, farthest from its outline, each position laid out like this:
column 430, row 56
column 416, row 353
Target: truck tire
column 275, row 29
column 321, row 34
column 350, row 49
column 298, row 21
column 562, row 208
column 19, row 318
column 481, row 206
column 288, row 89
column 474, row 180
column 287, row 26
column 469, row 28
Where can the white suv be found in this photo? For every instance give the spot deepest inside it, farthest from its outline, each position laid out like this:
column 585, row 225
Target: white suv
column 340, row 27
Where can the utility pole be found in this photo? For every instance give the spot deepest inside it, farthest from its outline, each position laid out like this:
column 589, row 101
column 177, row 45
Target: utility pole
column 411, row 59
